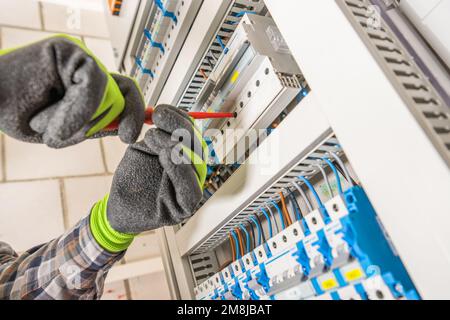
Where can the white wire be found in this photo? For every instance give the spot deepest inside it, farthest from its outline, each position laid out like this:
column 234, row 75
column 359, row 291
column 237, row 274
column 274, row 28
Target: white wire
column 302, row 193
column 344, row 168
column 274, row 218
column 324, row 174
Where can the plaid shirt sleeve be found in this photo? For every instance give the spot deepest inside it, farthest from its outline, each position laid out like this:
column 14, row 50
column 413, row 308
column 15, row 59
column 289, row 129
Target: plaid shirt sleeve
column 73, row 266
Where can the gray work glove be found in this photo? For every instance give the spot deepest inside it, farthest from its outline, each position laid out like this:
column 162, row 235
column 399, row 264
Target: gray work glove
column 57, row 92
column 158, row 183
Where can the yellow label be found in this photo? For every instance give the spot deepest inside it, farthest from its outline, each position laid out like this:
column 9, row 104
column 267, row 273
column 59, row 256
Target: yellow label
column 353, row 275
column 329, row 284
column 235, row 76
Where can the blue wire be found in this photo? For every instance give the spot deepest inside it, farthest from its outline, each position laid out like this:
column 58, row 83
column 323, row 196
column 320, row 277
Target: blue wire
column 283, row 226
column 166, row 13
column 336, row 173
column 268, row 220
column 236, row 244
column 224, row 48
column 295, row 205
column 154, row 43
column 257, row 227
column 247, row 237
column 208, row 192
column 144, row 70
column 241, row 14
column 314, row 192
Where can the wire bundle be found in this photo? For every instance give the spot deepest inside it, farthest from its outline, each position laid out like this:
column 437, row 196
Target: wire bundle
column 242, row 242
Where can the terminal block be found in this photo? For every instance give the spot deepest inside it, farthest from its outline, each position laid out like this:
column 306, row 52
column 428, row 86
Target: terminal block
column 257, row 78
column 344, row 255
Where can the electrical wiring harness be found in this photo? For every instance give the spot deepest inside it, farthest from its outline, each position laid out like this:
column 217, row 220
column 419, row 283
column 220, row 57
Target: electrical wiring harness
column 333, row 249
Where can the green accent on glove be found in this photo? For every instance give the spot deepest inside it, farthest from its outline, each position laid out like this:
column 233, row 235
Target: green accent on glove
column 113, row 101
column 199, row 164
column 135, row 83
column 201, row 167
column 108, row 238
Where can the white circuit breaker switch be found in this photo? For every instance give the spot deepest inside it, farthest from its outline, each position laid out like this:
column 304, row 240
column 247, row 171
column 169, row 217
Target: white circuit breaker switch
column 300, row 292
column 227, row 275
column 340, row 250
column 237, row 268
column 376, row 289
column 314, row 221
column 336, row 208
column 261, row 254
column 216, row 280
column 249, row 261
column 326, row 296
column 315, row 259
column 348, row 293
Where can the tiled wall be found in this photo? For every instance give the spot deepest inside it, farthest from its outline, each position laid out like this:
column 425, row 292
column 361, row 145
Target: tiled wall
column 44, row 191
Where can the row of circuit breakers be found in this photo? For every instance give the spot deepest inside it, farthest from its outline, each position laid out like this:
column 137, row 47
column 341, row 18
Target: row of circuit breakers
column 336, row 252
column 339, row 249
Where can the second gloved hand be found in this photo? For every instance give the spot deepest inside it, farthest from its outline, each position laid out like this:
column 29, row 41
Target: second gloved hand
column 158, row 183
column 57, row 92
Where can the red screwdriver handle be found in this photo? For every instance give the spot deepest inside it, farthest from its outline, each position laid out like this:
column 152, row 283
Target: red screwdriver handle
column 196, row 115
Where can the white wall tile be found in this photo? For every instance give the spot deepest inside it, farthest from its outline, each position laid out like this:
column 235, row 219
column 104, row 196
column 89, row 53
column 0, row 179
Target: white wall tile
column 1, row 157
column 13, row 37
column 150, row 287
column 30, row 213
column 82, row 193
column 103, row 49
column 20, row 13
column 114, row 152
column 143, row 247
column 61, row 18
column 34, row 161
column 115, row 291
column 92, row 5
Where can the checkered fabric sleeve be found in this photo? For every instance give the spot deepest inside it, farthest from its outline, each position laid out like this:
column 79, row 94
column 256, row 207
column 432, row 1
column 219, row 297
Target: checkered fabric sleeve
column 72, row 266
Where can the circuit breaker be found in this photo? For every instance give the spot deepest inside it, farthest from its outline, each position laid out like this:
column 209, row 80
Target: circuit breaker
column 332, row 180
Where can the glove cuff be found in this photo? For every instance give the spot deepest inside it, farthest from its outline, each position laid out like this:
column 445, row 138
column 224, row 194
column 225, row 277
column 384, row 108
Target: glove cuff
column 108, row 238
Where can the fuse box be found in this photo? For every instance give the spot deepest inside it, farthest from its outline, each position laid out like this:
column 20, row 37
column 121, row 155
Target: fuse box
column 332, row 181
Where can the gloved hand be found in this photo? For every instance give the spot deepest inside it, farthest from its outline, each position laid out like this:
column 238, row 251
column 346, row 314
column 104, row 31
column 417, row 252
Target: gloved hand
column 158, row 183
column 56, row 92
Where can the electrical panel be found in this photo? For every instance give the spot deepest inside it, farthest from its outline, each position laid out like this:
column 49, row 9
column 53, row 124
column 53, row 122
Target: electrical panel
column 256, row 77
column 306, row 196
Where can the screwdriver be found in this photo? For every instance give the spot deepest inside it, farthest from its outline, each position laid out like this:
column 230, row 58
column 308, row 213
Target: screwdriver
column 196, row 115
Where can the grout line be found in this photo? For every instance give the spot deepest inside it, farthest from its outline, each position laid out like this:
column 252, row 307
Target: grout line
column 126, row 282
column 39, row 30
column 95, row 37
column 3, row 156
column 62, row 177
column 128, row 289
column 9, row 26
column 41, row 15
column 65, row 211
column 102, row 150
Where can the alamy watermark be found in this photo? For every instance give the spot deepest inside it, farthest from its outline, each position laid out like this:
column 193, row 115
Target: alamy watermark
column 374, row 17
column 229, row 147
